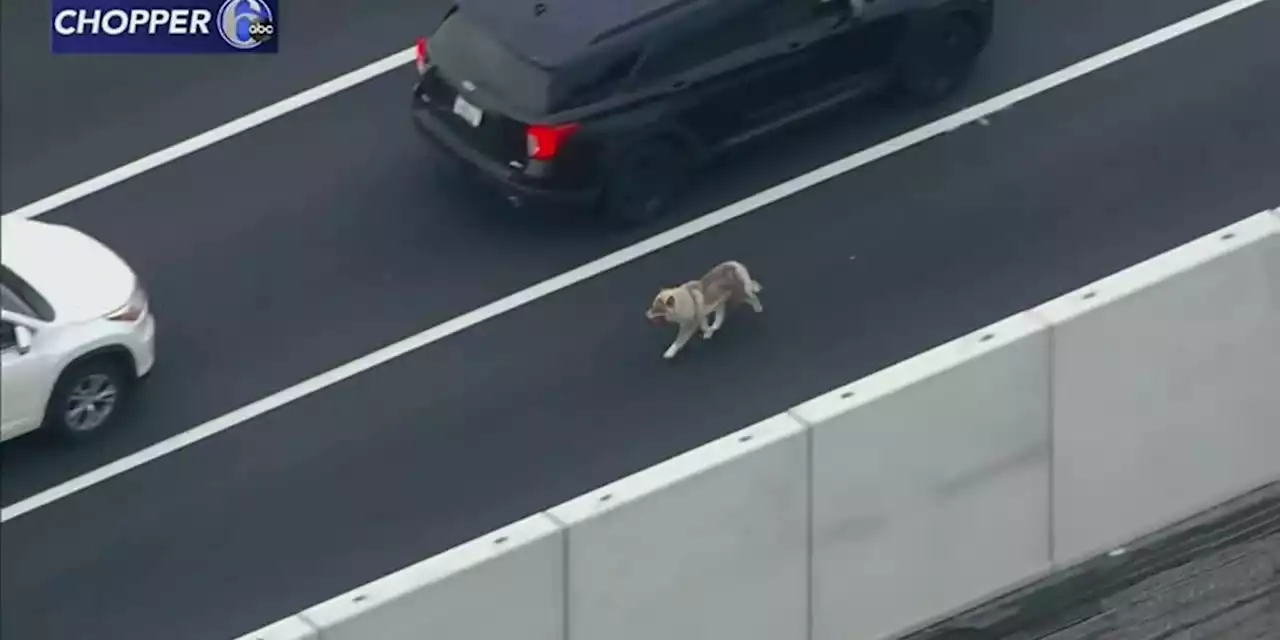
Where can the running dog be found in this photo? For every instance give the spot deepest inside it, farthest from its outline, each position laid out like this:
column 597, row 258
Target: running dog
column 691, row 305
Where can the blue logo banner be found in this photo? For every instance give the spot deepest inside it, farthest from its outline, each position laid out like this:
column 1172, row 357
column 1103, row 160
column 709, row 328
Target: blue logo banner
column 176, row 26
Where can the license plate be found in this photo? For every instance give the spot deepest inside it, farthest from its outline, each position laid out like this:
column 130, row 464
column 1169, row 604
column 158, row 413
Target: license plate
column 467, row 111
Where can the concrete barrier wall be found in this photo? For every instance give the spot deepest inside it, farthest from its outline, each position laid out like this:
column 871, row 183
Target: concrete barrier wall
column 931, row 482
column 901, row 498
column 1166, row 388
column 508, row 584
column 291, row 628
column 710, row 544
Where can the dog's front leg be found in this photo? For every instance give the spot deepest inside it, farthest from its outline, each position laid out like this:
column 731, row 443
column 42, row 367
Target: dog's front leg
column 682, row 338
column 704, row 323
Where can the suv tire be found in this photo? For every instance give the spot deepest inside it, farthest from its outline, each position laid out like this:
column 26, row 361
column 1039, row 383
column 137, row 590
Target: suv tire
column 937, row 55
column 643, row 181
column 89, row 396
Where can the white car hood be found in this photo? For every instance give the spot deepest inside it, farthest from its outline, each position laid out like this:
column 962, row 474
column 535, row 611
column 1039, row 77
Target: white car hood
column 80, row 277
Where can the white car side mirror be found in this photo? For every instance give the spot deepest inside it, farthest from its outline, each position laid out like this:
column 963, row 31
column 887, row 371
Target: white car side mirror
column 23, row 337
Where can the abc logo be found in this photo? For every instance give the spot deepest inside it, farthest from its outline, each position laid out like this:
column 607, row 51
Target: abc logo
column 261, row 31
column 246, row 24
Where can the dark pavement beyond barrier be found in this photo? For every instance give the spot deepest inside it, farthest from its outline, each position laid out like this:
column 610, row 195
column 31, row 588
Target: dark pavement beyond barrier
column 1215, row 576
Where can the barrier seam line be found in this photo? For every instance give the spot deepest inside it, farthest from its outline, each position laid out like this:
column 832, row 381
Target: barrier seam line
column 315, row 626
column 1051, row 396
column 808, row 528
column 566, row 605
column 566, row 627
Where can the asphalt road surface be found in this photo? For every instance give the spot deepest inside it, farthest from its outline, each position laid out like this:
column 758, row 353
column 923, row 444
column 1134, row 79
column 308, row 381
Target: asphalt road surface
column 65, row 119
column 326, row 234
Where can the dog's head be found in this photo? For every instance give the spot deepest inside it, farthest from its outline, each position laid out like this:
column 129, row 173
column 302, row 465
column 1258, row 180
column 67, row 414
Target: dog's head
column 664, row 306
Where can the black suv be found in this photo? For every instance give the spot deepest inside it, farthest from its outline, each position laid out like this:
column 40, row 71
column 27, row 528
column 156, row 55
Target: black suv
column 613, row 103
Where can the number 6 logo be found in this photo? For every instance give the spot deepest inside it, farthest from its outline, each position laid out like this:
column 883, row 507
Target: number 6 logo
column 245, row 24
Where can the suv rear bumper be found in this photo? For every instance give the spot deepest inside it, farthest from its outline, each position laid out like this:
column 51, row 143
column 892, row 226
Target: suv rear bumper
column 518, row 188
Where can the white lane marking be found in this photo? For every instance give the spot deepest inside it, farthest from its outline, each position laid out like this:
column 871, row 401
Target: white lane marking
column 213, row 136
column 623, row 256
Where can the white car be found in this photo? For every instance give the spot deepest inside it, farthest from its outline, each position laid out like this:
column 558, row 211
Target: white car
column 77, row 332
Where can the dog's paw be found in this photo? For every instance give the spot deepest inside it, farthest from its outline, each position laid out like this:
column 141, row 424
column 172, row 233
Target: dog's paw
column 668, row 355
column 706, row 335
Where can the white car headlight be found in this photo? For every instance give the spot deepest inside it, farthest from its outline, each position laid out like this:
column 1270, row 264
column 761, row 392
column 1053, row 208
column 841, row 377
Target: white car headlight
column 134, row 309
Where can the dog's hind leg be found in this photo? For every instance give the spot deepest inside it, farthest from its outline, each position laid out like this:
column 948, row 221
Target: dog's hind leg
column 750, row 287
column 720, row 311
column 712, row 321
column 751, row 298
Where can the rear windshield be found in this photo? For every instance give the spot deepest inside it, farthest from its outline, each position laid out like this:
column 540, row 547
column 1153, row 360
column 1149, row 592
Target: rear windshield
column 467, row 53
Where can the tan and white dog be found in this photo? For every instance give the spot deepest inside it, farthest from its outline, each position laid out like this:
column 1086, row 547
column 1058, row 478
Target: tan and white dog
column 691, row 305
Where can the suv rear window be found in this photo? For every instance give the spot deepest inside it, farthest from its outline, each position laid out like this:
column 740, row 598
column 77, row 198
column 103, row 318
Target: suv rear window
column 745, row 28
column 466, row 52
column 598, row 81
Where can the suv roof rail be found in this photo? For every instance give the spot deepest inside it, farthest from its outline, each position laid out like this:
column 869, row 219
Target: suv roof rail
column 648, row 16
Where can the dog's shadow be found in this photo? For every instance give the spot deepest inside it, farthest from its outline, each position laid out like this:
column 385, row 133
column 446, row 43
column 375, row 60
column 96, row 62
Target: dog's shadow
column 736, row 334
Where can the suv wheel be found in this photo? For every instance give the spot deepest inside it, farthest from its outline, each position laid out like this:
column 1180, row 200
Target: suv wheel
column 643, row 181
column 88, row 397
column 937, row 55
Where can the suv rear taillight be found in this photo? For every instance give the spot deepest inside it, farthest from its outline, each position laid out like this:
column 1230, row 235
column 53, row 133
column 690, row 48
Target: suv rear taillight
column 543, row 141
column 420, row 50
